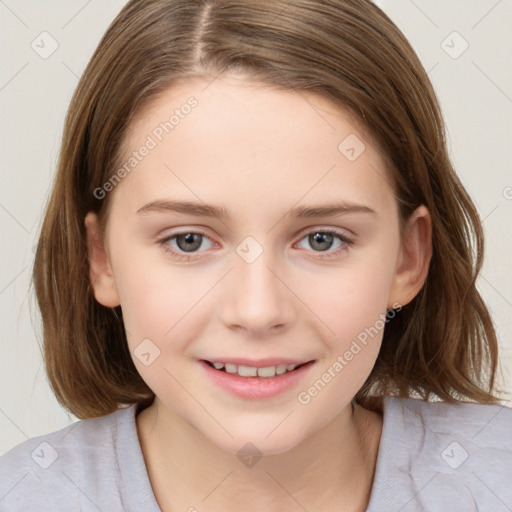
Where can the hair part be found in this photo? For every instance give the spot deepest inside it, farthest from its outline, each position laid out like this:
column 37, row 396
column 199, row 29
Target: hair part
column 442, row 344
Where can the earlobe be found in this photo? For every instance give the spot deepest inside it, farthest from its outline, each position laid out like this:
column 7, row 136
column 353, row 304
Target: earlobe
column 100, row 272
column 414, row 258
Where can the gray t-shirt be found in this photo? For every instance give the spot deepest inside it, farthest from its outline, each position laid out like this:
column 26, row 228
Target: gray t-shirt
column 432, row 457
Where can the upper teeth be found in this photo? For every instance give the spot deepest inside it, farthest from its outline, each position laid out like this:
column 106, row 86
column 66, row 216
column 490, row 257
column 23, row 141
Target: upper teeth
column 252, row 371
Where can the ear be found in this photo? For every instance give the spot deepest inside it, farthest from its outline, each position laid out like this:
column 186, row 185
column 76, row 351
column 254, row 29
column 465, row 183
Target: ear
column 100, row 272
column 413, row 259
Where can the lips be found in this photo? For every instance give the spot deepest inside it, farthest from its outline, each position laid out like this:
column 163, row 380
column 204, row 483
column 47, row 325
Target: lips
column 258, row 363
column 247, row 384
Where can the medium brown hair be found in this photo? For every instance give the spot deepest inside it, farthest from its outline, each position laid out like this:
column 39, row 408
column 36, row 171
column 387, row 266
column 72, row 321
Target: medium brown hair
column 442, row 344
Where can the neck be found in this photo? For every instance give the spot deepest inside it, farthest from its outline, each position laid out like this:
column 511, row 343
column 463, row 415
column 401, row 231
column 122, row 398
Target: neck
column 333, row 467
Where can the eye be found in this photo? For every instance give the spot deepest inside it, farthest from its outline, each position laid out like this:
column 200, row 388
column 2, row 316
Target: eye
column 186, row 244
column 323, row 241
column 182, row 245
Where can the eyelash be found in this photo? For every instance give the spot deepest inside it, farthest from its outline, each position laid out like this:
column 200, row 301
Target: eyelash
column 346, row 243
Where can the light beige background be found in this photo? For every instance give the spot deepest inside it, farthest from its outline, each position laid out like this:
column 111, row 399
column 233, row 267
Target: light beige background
column 474, row 88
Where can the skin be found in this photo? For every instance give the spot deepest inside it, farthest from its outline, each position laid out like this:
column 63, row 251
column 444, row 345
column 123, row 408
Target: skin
column 259, row 152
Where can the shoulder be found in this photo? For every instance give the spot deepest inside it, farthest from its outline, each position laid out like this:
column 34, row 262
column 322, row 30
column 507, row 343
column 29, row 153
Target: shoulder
column 483, row 423
column 437, row 453
column 60, row 470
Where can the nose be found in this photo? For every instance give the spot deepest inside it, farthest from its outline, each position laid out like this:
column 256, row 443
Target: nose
column 257, row 299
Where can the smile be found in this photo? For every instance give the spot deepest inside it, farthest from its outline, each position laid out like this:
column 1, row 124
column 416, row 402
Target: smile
column 253, row 371
column 256, row 382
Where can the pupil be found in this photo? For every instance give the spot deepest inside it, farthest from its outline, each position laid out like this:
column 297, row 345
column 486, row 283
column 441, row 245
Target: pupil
column 321, row 241
column 192, row 239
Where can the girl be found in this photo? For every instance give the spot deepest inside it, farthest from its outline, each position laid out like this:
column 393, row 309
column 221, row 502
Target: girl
column 321, row 345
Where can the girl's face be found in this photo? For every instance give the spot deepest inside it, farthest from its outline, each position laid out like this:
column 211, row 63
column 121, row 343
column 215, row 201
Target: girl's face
column 258, row 226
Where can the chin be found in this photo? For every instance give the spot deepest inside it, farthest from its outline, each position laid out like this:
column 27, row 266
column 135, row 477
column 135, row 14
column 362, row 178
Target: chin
column 248, row 442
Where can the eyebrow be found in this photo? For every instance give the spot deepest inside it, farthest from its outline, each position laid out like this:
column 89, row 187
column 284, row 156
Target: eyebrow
column 221, row 212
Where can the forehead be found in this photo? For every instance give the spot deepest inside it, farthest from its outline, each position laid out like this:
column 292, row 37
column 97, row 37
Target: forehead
column 232, row 137
column 242, row 111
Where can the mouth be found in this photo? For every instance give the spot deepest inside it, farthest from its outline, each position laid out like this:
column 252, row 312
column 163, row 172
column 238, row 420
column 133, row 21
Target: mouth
column 265, row 372
column 261, row 382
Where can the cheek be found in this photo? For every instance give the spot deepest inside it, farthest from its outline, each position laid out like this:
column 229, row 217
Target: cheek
column 162, row 302
column 352, row 304
column 150, row 298
column 159, row 308
column 353, row 297
column 354, row 310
